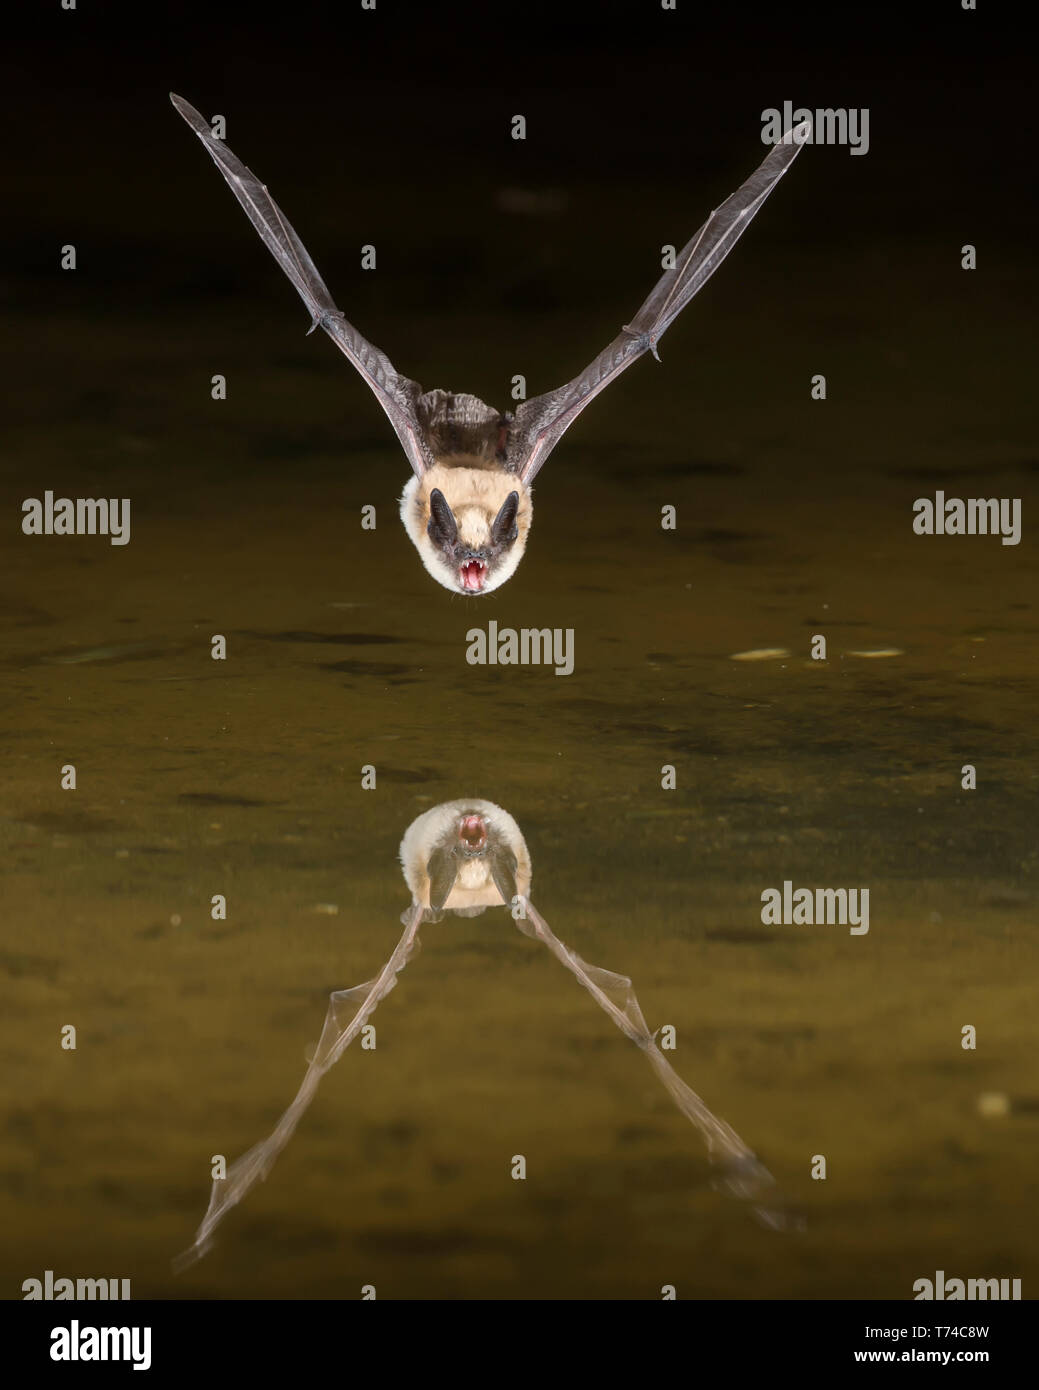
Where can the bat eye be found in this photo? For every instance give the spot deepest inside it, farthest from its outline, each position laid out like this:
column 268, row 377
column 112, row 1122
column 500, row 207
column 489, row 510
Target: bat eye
column 503, row 528
column 442, row 528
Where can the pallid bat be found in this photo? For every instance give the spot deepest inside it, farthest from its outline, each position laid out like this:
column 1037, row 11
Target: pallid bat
column 468, row 508
column 463, row 857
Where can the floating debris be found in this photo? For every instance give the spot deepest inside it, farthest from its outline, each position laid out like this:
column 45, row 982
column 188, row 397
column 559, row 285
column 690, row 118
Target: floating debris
column 117, row 651
column 993, row 1104
column 327, row 909
column 870, row 652
column 762, row 654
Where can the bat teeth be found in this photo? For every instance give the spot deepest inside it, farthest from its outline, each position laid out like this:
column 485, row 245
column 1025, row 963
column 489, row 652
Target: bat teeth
column 472, row 576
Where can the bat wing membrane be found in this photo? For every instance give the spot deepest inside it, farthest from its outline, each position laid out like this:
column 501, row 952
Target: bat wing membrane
column 540, row 423
column 395, row 393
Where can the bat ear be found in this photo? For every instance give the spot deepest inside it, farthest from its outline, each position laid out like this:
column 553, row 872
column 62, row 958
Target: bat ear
column 443, row 870
column 503, row 871
column 442, row 525
column 503, row 528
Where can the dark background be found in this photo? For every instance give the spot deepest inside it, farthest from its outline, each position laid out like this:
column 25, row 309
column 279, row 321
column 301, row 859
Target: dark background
column 392, row 127
column 336, row 107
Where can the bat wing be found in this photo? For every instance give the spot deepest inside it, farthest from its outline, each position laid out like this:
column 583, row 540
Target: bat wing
column 348, row 1012
column 541, row 422
column 741, row 1172
column 396, row 394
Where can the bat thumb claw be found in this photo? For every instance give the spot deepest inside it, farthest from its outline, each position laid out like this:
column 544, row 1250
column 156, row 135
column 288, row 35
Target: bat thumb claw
column 653, row 350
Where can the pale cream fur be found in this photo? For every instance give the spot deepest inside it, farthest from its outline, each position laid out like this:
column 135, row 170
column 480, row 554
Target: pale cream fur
column 474, row 886
column 475, row 495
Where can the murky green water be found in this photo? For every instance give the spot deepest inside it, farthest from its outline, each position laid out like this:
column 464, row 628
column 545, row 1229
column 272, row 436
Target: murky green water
column 244, row 778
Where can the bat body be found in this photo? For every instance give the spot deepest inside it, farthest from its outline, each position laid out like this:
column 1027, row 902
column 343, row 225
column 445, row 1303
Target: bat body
column 468, row 507
column 461, row 858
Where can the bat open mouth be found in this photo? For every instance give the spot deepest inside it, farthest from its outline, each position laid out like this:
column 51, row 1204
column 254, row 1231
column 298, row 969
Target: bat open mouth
column 472, row 575
column 472, row 831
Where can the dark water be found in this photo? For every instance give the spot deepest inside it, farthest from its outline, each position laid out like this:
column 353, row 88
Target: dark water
column 243, row 777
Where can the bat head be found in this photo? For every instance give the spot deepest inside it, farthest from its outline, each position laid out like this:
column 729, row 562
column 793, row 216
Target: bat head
column 465, row 856
column 469, row 524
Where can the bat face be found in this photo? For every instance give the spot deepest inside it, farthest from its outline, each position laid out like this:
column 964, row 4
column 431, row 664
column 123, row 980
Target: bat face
column 469, row 522
column 465, row 856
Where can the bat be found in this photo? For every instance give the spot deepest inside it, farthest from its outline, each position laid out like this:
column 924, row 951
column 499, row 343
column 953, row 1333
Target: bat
column 462, row 857
column 468, row 507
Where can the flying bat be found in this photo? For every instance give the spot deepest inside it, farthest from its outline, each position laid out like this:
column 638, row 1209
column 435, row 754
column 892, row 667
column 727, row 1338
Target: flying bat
column 468, row 507
column 461, row 858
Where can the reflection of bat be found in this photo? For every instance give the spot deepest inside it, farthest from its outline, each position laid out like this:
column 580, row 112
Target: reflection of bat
column 468, row 508
column 463, row 857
